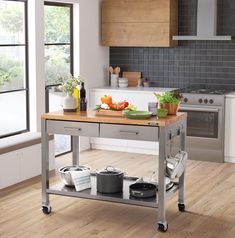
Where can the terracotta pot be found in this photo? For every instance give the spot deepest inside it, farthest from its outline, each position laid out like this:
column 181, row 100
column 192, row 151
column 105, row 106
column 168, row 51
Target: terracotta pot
column 172, row 108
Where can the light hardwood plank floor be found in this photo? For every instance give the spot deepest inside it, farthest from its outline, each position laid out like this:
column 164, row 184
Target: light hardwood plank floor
column 210, row 204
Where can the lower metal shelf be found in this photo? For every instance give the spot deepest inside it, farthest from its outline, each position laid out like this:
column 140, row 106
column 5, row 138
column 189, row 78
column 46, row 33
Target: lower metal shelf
column 123, row 197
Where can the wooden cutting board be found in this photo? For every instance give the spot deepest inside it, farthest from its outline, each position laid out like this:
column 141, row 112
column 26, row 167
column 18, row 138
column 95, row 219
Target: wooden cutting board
column 111, row 113
column 132, row 77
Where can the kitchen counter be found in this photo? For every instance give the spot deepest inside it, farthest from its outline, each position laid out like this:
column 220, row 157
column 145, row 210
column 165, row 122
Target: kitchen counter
column 135, row 89
column 90, row 116
column 229, row 149
column 230, row 95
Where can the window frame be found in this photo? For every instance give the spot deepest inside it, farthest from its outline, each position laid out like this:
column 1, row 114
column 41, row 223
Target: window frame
column 70, row 6
column 26, row 69
column 71, row 44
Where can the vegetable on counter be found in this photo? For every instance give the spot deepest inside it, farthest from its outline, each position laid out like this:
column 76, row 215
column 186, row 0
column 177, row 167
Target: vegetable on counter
column 106, row 99
column 131, row 108
column 107, row 104
column 119, row 106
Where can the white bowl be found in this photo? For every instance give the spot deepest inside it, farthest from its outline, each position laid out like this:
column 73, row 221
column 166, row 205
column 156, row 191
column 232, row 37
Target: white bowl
column 122, row 85
column 122, row 80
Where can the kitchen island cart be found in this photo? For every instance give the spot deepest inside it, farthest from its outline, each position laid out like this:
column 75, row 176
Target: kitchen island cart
column 88, row 124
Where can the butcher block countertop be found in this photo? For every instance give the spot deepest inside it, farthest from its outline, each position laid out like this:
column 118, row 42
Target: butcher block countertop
column 90, row 116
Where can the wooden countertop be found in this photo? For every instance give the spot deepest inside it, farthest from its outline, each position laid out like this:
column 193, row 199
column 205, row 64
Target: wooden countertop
column 90, row 116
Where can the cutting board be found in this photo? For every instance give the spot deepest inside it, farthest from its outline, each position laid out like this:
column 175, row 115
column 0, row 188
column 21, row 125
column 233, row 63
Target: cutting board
column 111, row 113
column 132, row 77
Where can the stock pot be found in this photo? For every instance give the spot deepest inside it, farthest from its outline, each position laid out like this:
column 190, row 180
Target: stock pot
column 110, row 180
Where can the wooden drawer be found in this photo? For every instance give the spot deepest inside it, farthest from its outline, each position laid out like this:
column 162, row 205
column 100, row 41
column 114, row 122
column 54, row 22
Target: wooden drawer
column 73, row 128
column 127, row 132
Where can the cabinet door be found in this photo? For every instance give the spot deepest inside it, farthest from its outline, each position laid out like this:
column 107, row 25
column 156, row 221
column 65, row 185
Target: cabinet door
column 139, row 22
column 230, row 130
column 135, row 11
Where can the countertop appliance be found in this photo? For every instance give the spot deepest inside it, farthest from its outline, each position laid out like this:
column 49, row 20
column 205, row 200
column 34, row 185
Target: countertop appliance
column 205, row 122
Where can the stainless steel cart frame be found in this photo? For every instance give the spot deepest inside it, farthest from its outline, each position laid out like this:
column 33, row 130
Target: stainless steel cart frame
column 76, row 128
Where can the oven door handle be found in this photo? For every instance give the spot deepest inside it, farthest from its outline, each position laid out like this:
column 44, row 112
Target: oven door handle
column 200, row 109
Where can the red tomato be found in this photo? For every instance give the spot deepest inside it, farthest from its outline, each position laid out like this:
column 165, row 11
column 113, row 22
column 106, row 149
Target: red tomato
column 124, row 104
column 117, row 107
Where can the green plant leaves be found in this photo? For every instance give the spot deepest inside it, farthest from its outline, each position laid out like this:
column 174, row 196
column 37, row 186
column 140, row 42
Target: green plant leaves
column 169, row 97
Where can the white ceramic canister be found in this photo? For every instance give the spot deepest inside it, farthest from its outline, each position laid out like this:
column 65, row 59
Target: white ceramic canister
column 114, row 80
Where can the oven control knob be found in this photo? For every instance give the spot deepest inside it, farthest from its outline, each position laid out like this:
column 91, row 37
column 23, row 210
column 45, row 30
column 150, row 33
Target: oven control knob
column 205, row 101
column 185, row 100
column 211, row 101
column 200, row 100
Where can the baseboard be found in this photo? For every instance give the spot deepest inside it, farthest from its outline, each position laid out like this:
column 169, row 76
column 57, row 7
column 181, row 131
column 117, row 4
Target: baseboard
column 229, row 159
column 129, row 149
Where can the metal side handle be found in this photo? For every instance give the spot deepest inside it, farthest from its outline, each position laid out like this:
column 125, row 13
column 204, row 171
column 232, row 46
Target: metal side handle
column 72, row 128
column 137, row 193
column 129, row 132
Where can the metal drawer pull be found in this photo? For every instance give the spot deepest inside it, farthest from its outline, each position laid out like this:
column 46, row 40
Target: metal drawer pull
column 72, row 128
column 129, row 132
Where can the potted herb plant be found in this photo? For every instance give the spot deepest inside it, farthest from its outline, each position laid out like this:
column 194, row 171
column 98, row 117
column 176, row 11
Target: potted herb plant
column 169, row 101
column 68, row 85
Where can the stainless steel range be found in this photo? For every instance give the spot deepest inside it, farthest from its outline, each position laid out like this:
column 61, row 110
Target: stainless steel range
column 205, row 123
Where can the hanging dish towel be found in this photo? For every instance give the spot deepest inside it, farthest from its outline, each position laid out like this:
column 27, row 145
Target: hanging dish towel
column 81, row 179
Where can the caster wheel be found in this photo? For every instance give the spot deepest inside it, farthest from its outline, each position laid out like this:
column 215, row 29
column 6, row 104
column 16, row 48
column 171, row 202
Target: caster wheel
column 162, row 227
column 181, row 207
column 46, row 209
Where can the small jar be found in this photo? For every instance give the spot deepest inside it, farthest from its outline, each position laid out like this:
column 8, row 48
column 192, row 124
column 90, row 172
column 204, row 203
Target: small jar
column 152, row 107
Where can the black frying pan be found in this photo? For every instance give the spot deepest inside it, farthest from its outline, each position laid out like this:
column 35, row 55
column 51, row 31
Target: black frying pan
column 143, row 190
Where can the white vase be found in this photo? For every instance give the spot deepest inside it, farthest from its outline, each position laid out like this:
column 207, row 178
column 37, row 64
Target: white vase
column 69, row 103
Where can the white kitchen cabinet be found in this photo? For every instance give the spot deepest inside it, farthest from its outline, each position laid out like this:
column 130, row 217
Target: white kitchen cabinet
column 140, row 97
column 21, row 164
column 230, row 128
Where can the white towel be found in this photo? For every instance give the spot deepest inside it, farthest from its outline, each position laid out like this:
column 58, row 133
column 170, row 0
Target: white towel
column 81, row 179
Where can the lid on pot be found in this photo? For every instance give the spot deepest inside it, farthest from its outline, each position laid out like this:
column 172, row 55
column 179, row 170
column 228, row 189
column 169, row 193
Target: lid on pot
column 110, row 170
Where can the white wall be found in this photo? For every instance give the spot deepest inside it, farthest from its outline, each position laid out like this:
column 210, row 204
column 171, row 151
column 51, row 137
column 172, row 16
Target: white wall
column 94, row 58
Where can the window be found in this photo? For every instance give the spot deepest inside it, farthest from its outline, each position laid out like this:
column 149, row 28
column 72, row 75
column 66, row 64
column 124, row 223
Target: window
column 58, row 39
column 14, row 99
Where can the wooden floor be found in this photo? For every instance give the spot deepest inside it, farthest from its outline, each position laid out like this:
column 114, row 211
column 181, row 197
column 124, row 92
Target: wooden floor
column 210, row 204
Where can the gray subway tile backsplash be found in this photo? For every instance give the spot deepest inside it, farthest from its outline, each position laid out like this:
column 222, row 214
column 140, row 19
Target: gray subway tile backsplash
column 206, row 63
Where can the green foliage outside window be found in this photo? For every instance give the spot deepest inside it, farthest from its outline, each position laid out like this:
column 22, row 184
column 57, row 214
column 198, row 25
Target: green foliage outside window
column 57, row 30
column 11, row 19
column 11, row 71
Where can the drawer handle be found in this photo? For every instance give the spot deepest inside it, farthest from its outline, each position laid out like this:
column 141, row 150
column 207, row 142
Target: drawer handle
column 129, row 132
column 72, row 128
